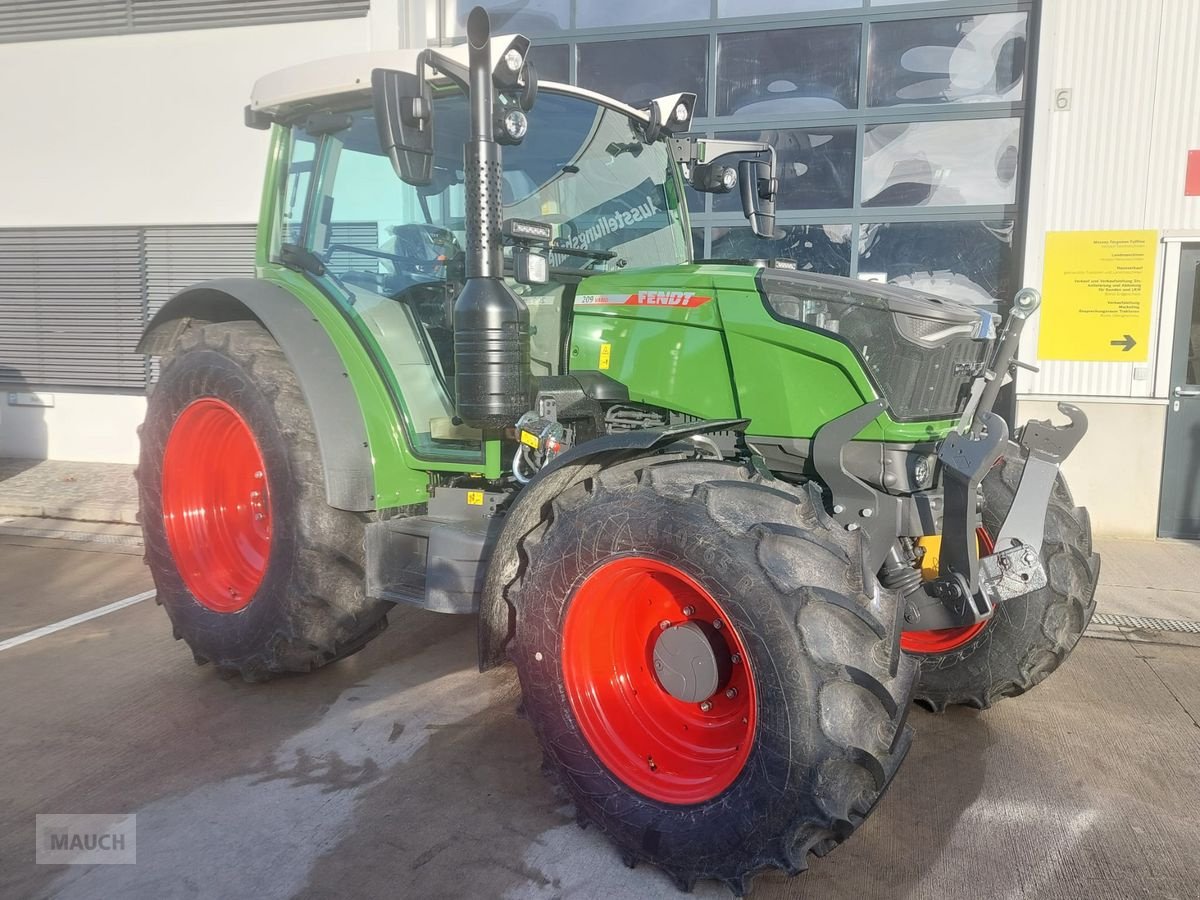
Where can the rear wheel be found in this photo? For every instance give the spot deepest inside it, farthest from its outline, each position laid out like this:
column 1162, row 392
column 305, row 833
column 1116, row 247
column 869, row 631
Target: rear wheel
column 259, row 575
column 1028, row 637
column 713, row 676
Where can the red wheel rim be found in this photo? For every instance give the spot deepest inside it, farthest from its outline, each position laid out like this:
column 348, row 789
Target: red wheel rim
column 944, row 640
column 662, row 747
column 216, row 506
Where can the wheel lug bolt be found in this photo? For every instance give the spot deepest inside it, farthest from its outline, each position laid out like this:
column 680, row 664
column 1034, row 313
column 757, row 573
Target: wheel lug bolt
column 718, row 624
column 258, row 517
column 736, row 658
column 257, row 474
column 664, row 624
column 705, row 706
column 731, row 693
column 689, row 610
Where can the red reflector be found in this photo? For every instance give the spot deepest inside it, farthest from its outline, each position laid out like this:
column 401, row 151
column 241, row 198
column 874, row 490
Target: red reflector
column 1192, row 185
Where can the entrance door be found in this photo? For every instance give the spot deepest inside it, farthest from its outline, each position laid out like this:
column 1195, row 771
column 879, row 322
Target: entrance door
column 1179, row 509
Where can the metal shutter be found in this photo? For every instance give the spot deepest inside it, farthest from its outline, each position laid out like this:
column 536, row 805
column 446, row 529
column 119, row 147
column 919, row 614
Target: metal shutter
column 178, row 257
column 355, row 234
column 167, row 15
column 43, row 20
column 72, row 305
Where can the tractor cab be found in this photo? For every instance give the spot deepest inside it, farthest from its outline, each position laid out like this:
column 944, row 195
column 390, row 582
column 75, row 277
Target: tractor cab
column 597, row 185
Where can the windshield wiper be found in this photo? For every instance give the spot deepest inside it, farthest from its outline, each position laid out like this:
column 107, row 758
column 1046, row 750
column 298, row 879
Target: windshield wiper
column 603, row 255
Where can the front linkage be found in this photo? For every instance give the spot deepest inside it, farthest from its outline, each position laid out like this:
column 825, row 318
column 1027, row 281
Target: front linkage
column 967, row 588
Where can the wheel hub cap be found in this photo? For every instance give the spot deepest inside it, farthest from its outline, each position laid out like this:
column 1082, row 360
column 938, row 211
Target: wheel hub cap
column 216, row 505
column 687, row 663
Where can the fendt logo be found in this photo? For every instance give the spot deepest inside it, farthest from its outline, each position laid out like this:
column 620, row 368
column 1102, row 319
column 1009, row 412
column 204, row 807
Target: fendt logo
column 685, row 299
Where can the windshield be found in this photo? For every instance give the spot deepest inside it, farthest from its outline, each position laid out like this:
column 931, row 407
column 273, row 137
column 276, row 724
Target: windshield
column 584, row 170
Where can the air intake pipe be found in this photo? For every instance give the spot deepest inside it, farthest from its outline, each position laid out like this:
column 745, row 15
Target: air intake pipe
column 492, row 378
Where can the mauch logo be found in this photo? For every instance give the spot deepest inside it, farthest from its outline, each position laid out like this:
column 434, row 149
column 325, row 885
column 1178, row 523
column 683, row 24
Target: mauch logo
column 644, row 298
column 86, row 840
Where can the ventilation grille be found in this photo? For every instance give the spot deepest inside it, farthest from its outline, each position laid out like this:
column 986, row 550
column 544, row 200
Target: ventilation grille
column 74, row 301
column 353, row 234
column 181, row 256
column 178, row 257
column 1147, row 623
column 72, row 307
column 42, row 20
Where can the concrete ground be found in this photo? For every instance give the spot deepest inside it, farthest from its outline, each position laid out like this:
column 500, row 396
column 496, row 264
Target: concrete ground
column 97, row 492
column 402, row 772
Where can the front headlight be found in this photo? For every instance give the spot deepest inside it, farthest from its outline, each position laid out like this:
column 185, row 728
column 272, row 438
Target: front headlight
column 919, row 351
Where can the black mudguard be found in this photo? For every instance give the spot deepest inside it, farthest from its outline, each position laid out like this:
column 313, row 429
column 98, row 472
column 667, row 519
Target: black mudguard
column 341, row 432
column 495, row 617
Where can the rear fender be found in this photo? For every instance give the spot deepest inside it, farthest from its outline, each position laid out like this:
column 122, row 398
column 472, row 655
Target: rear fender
column 341, row 432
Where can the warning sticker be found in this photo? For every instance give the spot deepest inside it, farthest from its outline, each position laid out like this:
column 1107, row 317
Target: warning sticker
column 644, row 298
column 605, row 355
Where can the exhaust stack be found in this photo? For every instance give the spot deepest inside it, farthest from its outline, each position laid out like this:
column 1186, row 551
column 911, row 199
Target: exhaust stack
column 492, row 378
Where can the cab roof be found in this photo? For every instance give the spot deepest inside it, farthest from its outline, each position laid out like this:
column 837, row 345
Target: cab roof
column 311, row 84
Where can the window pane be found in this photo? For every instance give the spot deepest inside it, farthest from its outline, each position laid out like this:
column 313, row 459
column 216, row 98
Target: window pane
column 698, row 245
column 529, row 17
column 967, row 261
column 797, row 71
column 633, row 71
column 300, row 170
column 730, row 8
column 947, row 60
column 816, row 167
column 966, row 163
column 594, row 14
column 815, row 248
column 552, row 61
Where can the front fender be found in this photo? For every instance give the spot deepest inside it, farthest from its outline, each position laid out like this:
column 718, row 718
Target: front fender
column 496, row 618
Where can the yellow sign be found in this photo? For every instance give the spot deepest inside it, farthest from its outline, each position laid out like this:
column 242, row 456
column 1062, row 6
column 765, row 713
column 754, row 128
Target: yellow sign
column 530, row 439
column 605, row 355
column 1097, row 295
column 474, row 498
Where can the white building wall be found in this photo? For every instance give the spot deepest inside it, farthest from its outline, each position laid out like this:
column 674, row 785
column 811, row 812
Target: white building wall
column 1114, row 160
column 146, row 129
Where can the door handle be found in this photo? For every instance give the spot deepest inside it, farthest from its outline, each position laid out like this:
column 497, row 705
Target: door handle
column 1183, row 392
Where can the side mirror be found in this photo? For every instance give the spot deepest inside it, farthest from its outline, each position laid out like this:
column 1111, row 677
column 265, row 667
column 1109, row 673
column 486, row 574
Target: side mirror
column 403, row 106
column 701, row 158
column 759, row 186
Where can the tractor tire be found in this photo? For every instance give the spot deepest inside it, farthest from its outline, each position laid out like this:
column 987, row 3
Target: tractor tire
column 258, row 574
column 1030, row 636
column 800, row 737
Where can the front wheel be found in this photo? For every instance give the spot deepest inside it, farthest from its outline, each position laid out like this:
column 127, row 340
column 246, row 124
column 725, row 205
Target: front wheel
column 1027, row 637
column 712, row 674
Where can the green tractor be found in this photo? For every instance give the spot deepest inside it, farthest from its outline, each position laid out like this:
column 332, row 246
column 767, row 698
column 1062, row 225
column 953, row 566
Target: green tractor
column 728, row 519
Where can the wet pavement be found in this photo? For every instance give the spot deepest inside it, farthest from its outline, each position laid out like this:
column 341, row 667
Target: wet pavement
column 402, row 772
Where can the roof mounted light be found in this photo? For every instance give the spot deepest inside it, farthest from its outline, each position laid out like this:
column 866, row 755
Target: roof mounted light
column 669, row 115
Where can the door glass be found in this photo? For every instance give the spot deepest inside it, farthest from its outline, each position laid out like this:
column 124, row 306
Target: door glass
column 295, row 189
column 394, row 253
column 1193, row 338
